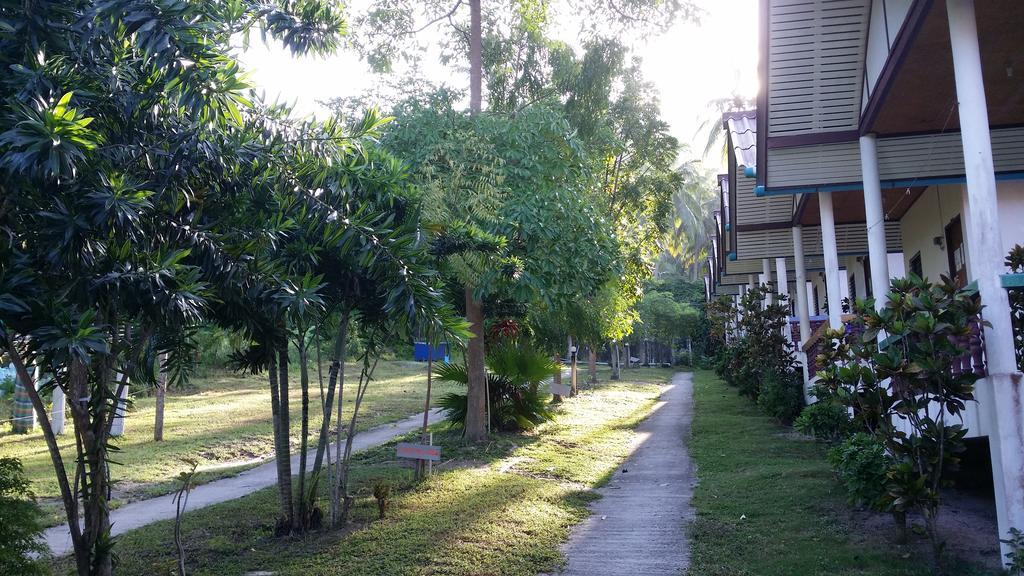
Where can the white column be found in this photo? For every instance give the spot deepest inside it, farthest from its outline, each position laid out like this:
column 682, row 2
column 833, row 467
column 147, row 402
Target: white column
column 766, row 279
column 782, row 288
column 875, row 215
column 831, row 253
column 802, row 306
column 986, row 255
column 57, row 412
column 117, row 425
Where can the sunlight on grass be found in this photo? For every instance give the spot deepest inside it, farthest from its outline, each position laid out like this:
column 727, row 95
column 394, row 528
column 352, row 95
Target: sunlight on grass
column 503, row 507
column 222, row 421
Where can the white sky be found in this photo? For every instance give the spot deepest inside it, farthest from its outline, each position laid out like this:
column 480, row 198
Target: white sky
column 690, row 65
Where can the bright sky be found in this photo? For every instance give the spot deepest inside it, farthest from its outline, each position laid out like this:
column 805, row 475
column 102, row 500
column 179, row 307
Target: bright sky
column 690, row 65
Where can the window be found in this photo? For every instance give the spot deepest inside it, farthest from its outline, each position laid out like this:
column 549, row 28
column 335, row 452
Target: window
column 851, row 285
column 955, row 253
column 867, row 276
column 915, row 265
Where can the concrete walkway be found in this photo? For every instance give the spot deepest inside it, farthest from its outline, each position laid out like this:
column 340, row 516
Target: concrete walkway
column 143, row 512
column 639, row 526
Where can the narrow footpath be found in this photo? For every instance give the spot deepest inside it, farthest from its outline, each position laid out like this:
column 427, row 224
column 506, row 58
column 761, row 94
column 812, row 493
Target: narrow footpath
column 143, row 512
column 639, row 525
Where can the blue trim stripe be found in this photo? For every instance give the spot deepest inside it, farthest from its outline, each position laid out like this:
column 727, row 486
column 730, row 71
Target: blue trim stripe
column 901, row 183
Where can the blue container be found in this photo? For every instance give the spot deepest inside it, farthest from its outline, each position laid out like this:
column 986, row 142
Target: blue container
column 420, row 351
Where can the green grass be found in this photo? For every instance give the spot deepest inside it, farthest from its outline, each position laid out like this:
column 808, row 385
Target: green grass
column 223, row 422
column 767, row 502
column 503, row 507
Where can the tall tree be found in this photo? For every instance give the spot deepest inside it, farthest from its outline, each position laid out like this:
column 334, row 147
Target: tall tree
column 386, row 32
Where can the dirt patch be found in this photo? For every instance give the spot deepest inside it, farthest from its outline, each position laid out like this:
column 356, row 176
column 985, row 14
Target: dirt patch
column 967, row 522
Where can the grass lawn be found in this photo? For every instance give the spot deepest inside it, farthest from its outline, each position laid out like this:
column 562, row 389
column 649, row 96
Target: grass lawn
column 501, row 508
column 223, row 421
column 767, row 502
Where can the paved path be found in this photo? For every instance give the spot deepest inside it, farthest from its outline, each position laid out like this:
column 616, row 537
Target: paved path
column 143, row 512
column 638, row 527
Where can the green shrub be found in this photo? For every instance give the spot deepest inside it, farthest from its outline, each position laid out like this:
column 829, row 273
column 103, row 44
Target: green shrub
column 861, row 464
column 20, row 524
column 826, row 421
column 513, row 379
column 781, row 396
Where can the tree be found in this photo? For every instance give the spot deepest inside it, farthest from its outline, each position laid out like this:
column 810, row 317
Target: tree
column 130, row 157
column 387, row 31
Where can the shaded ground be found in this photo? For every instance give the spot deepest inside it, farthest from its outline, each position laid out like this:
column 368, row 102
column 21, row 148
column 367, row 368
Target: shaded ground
column 223, row 421
column 144, row 512
column 967, row 521
column 638, row 526
column 500, row 508
column 767, row 503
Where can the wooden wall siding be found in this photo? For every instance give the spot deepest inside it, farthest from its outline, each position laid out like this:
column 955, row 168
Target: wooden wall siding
column 815, row 65
column 751, row 209
column 899, row 158
column 887, row 19
column 853, row 238
column 850, row 239
column 815, row 164
column 727, row 290
column 739, row 270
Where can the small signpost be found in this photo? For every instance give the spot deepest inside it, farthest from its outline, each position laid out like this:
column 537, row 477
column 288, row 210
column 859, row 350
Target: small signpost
column 419, row 451
column 560, row 389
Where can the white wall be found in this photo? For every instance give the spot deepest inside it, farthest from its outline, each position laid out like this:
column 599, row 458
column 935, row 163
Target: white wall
column 926, row 220
column 937, row 206
column 1011, row 213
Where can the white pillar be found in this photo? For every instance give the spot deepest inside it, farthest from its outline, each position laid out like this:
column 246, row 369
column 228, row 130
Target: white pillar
column 782, row 288
column 831, row 253
column 986, row 256
column 875, row 215
column 57, row 412
column 766, row 279
column 117, row 426
column 802, row 306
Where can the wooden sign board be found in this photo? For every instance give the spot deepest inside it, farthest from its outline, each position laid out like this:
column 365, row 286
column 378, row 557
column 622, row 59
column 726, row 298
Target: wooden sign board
column 419, row 451
column 560, row 389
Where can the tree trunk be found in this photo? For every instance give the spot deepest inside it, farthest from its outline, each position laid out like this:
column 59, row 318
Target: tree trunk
column 336, row 495
column 475, row 59
column 337, row 366
column 302, row 520
column 592, row 365
column 68, row 497
column 557, row 379
column 161, row 394
column 278, row 376
column 615, row 360
column 476, row 414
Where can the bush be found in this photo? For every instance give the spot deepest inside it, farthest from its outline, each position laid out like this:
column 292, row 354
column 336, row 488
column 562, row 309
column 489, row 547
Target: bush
column 513, row 379
column 861, row 464
column 20, row 525
column 781, row 396
column 826, row 421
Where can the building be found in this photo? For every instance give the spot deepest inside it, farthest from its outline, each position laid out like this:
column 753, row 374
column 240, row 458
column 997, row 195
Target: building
column 888, row 139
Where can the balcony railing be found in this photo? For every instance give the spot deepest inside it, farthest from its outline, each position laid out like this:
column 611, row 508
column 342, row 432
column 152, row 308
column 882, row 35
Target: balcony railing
column 813, row 345
column 973, row 343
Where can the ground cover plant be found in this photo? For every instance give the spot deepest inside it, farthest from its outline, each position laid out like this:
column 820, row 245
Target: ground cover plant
column 503, row 507
column 767, row 502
